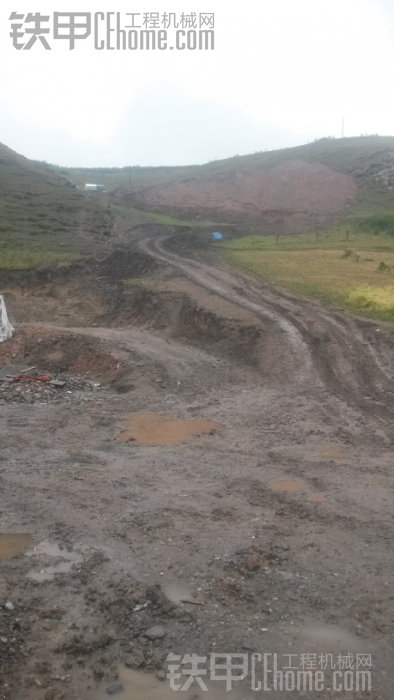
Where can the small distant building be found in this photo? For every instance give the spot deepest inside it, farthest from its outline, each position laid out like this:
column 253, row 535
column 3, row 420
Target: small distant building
column 94, row 188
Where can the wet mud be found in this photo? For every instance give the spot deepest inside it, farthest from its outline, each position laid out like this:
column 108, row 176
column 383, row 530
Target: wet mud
column 246, row 506
column 13, row 544
column 153, row 429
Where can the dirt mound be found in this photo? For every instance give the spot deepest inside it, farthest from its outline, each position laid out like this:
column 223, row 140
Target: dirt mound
column 293, row 191
column 72, row 294
column 126, row 264
column 122, row 263
column 60, row 352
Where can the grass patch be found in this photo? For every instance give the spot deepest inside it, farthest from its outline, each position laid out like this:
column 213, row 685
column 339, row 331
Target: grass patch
column 37, row 203
column 379, row 300
column 137, row 217
column 354, row 270
column 17, row 254
column 14, row 259
column 380, row 222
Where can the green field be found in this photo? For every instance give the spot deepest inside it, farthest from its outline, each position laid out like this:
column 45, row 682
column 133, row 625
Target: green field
column 23, row 259
column 357, row 273
column 19, row 254
column 136, row 217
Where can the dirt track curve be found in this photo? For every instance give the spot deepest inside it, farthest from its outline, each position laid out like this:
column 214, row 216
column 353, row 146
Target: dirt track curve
column 238, row 498
column 321, row 349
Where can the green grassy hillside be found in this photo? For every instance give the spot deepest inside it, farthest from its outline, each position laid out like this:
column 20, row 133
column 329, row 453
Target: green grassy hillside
column 42, row 217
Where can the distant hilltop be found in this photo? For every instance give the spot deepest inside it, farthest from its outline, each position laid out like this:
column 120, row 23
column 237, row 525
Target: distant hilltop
column 292, row 189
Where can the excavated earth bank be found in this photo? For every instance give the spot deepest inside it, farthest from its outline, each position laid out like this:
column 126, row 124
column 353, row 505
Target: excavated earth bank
column 293, row 195
column 264, row 526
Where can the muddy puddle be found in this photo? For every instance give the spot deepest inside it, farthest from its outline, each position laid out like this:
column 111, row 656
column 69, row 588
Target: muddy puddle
column 74, row 448
column 11, row 545
column 287, row 485
column 146, row 686
column 155, row 429
column 318, row 497
column 46, row 550
column 333, row 454
column 178, row 594
column 48, row 574
column 332, row 638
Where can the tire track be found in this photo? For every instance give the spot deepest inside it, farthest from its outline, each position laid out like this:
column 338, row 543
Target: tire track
column 299, row 361
column 322, row 352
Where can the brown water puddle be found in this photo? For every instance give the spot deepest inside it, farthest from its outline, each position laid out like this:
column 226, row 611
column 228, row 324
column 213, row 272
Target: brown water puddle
column 287, row 486
column 154, row 429
column 11, row 545
column 145, row 686
column 318, row 497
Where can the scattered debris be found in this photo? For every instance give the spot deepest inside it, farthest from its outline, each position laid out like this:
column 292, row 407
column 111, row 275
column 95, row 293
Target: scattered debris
column 135, row 660
column 44, row 388
column 156, row 632
column 30, row 378
column 114, row 689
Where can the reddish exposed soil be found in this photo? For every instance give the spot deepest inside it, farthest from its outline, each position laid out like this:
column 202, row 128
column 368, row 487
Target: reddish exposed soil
column 57, row 351
column 293, row 193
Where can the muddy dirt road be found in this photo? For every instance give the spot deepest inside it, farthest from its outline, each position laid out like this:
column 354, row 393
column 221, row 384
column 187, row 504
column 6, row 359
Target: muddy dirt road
column 321, row 348
column 222, row 485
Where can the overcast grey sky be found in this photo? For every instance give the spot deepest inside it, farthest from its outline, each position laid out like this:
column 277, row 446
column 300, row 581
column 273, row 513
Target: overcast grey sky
column 282, row 72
